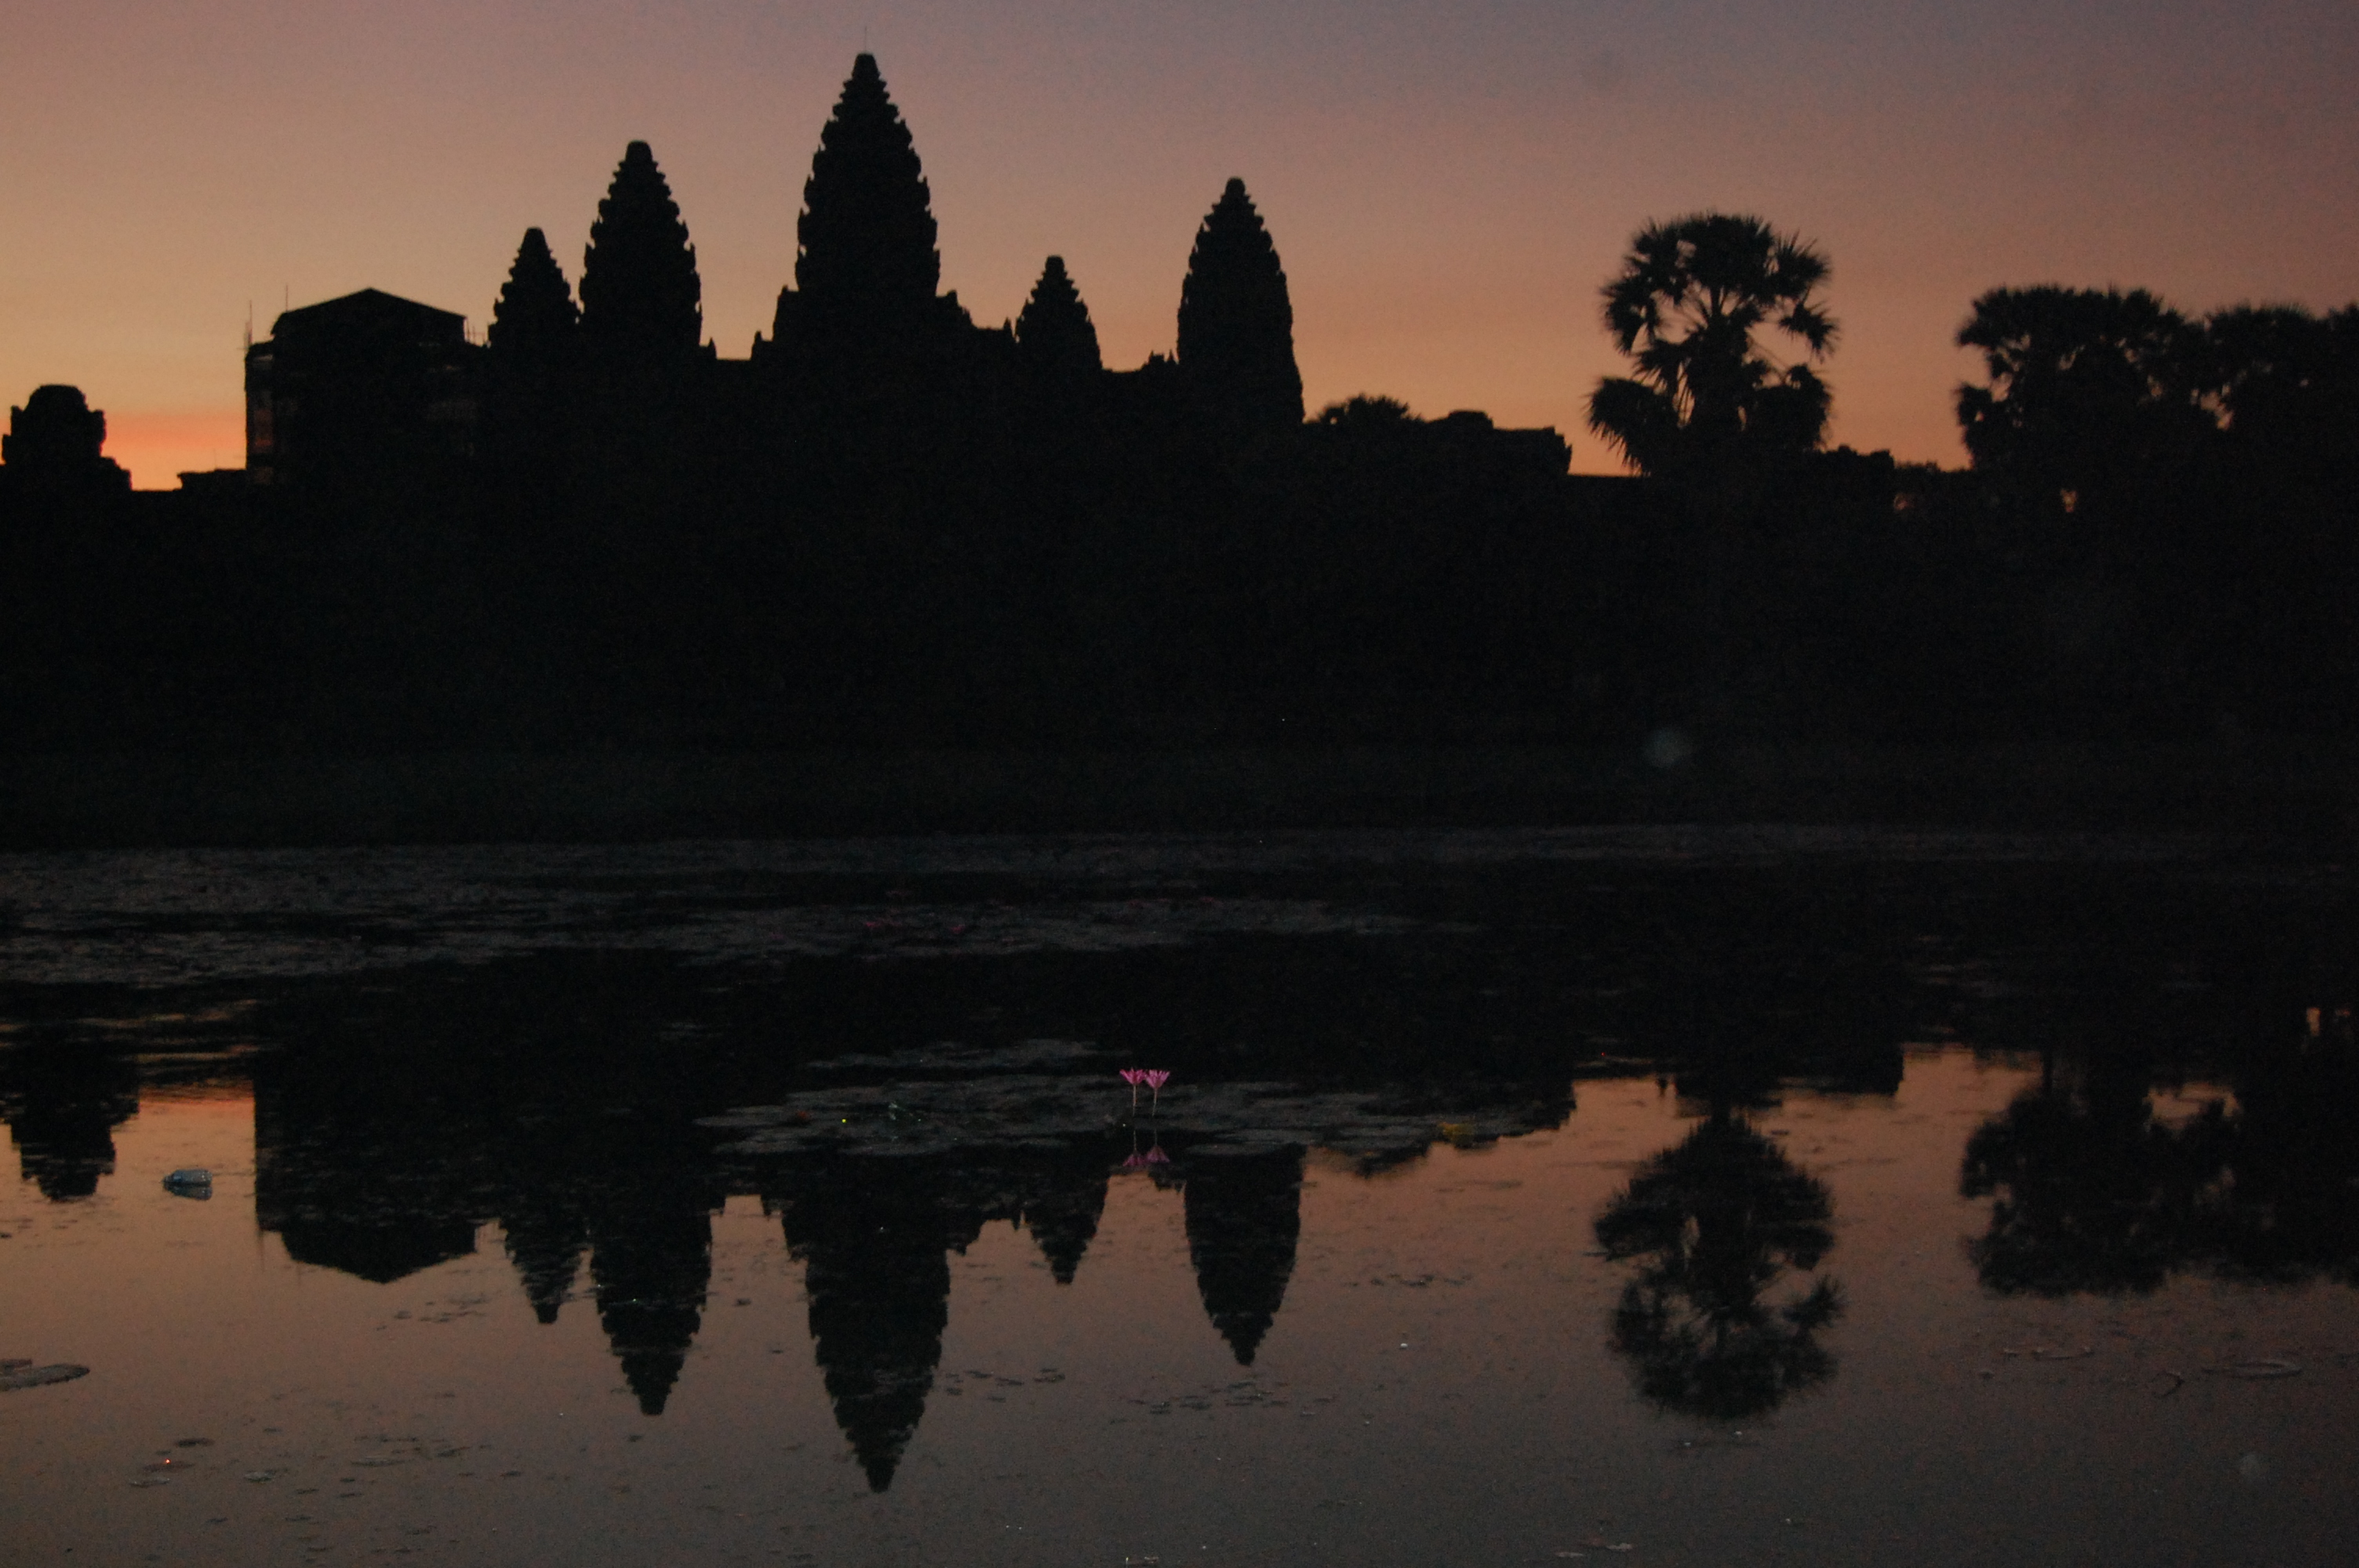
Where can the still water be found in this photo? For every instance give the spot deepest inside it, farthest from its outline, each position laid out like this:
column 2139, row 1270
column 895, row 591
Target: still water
column 1649, row 1196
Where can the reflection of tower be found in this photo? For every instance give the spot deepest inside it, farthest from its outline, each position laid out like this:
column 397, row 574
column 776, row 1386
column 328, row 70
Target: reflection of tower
column 651, row 1260
column 874, row 1248
column 1061, row 1210
column 62, row 1106
column 546, row 1236
column 1245, row 1216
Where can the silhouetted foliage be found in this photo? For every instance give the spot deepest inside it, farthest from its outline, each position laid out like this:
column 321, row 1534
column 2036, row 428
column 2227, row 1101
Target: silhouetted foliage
column 1717, row 1219
column 1688, row 307
column 2091, row 1191
column 1237, row 321
column 1376, row 416
column 2091, row 393
column 2285, row 383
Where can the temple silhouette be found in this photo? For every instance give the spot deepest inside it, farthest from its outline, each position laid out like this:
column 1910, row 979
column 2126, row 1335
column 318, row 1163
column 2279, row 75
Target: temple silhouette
column 889, row 527
column 869, row 368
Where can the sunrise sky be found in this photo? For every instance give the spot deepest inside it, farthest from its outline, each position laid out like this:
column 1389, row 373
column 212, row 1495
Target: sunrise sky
column 1447, row 184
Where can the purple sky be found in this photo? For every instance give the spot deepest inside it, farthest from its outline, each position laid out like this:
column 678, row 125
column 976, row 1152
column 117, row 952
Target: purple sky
column 1448, row 183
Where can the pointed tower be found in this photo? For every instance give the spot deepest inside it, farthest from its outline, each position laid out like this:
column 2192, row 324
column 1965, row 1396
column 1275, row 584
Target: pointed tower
column 532, row 367
column 1236, row 322
column 1244, row 1218
column 1055, row 337
column 535, row 319
column 651, row 1263
column 867, row 267
column 546, row 1239
column 640, row 295
column 873, row 1238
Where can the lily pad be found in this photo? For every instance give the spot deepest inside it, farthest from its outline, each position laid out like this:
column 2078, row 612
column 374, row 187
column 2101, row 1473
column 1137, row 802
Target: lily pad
column 20, row 1375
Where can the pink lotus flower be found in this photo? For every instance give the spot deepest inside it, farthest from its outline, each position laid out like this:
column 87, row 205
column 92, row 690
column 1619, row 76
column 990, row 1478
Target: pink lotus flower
column 1156, row 1078
column 1134, row 1077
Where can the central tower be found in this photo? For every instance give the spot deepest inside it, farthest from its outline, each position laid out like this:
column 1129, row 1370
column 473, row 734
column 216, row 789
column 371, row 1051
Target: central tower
column 866, row 267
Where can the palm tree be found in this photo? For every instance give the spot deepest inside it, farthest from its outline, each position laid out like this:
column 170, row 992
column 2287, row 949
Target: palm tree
column 1716, row 1220
column 1687, row 307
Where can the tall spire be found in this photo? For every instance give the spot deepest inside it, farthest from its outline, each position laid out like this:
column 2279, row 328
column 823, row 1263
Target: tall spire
column 640, row 295
column 867, row 225
column 1236, row 322
column 534, row 317
column 1055, row 334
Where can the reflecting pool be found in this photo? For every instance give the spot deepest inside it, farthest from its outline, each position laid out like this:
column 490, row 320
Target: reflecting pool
column 1649, row 1195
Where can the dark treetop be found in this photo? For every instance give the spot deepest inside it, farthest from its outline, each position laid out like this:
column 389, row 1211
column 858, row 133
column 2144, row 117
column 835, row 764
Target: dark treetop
column 867, row 226
column 639, row 288
column 1236, row 322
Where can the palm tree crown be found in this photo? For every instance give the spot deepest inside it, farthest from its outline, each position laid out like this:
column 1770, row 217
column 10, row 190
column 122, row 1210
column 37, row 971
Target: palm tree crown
column 1688, row 307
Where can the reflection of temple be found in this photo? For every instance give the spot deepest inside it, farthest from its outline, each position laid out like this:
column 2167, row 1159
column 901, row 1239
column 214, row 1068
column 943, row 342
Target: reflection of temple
column 353, row 1180
column 875, row 1239
column 876, row 1254
column 1245, row 1216
column 380, row 1185
column 546, row 1236
column 62, row 1106
column 651, row 1258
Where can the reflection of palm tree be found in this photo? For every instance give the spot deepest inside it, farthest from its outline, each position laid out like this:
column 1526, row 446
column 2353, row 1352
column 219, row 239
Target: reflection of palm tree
column 1718, row 1218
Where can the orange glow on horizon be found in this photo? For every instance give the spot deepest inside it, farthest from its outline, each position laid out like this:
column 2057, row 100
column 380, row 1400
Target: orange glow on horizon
column 1448, row 186
column 158, row 447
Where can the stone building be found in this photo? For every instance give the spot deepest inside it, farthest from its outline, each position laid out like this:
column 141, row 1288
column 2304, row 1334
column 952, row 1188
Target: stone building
column 53, row 449
column 360, row 392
